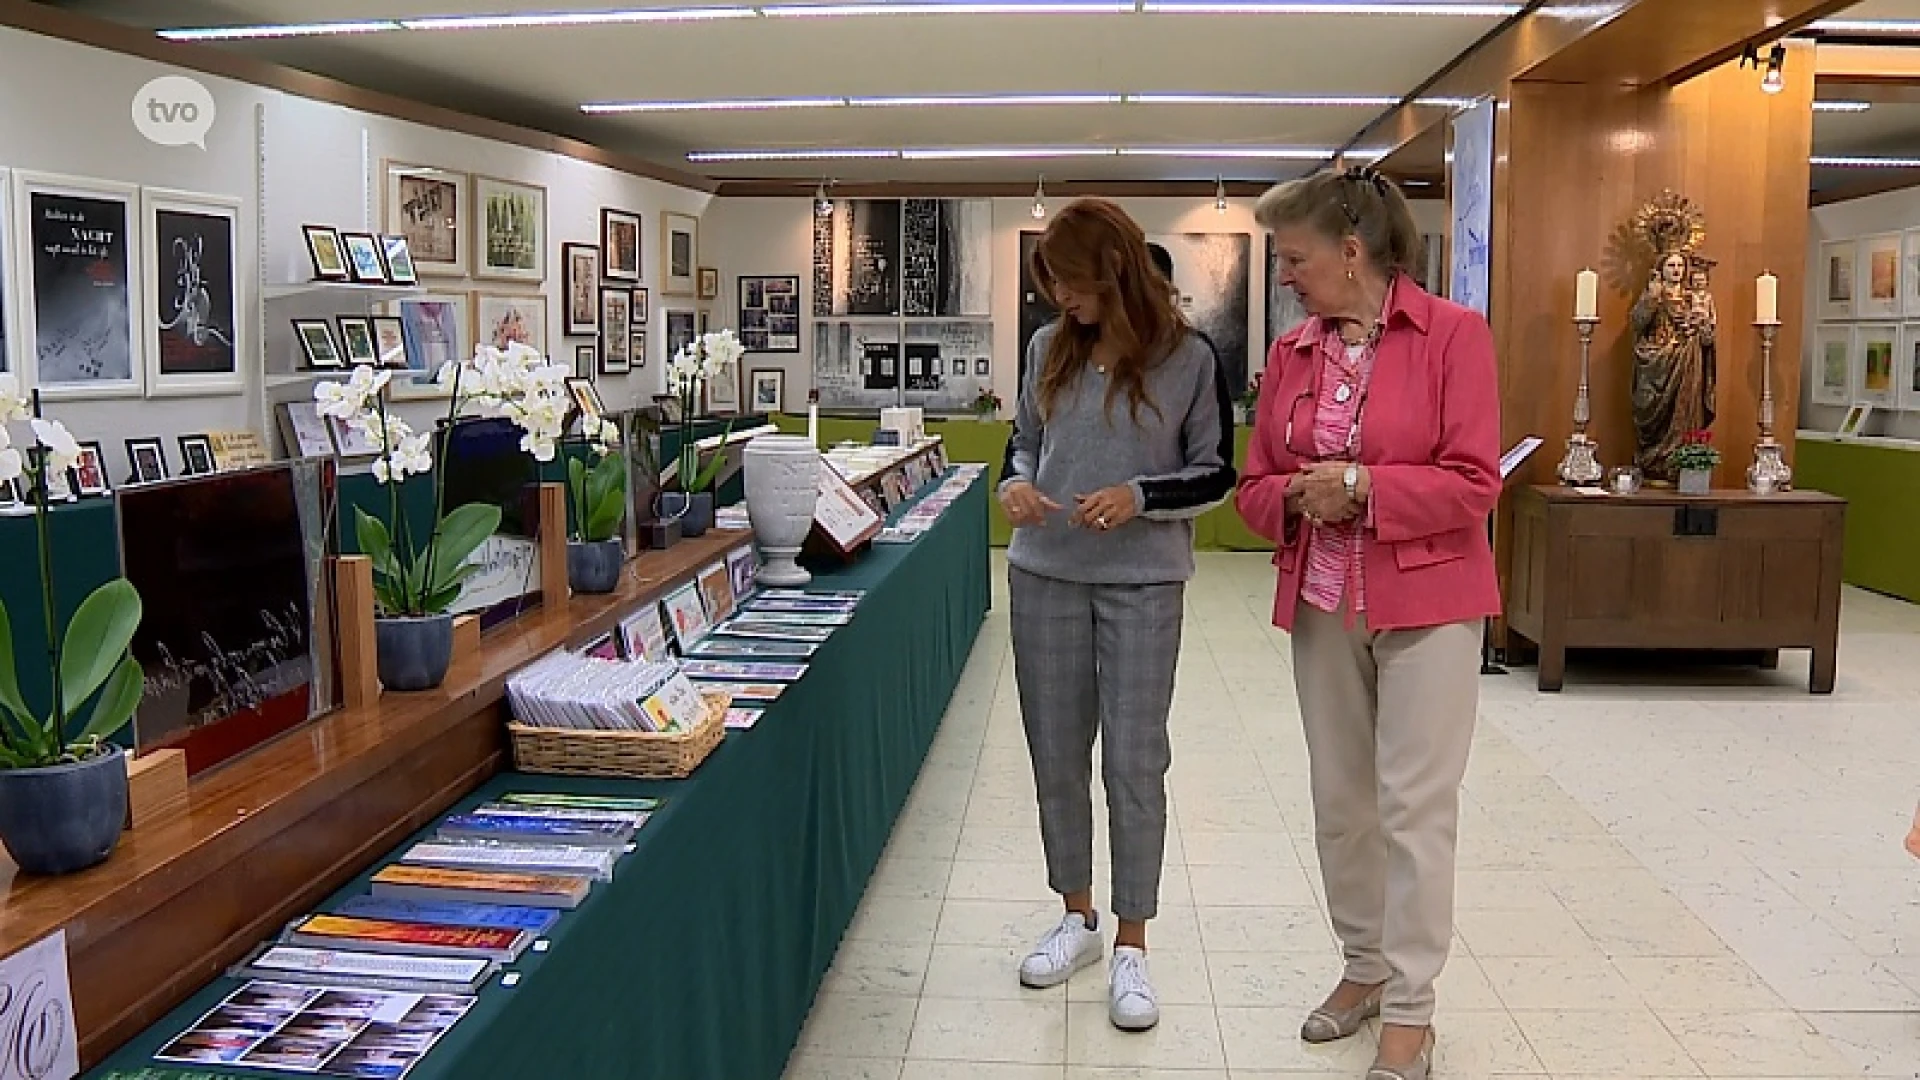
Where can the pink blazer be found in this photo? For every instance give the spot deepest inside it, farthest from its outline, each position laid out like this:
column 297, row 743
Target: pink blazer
column 1430, row 441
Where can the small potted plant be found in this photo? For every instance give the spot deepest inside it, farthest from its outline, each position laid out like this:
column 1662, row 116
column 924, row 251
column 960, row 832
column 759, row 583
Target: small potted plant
column 598, row 498
column 987, row 404
column 1249, row 404
column 1694, row 460
column 416, row 583
column 691, row 500
column 63, row 785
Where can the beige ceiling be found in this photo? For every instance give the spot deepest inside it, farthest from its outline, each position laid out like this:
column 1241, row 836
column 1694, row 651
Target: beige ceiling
column 540, row 76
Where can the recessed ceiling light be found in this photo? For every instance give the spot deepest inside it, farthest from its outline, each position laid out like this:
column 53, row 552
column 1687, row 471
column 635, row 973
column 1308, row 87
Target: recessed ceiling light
column 243, row 33
column 1866, row 162
column 1842, row 106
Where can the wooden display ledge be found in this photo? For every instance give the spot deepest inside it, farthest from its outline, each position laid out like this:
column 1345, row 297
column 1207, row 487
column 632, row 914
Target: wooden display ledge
column 266, row 837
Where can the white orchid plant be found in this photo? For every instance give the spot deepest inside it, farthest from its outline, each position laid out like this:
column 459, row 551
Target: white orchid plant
column 94, row 653
column 413, row 580
column 697, row 363
column 598, row 492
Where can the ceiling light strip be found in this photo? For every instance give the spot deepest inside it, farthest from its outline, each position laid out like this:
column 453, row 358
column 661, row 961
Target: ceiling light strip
column 1866, row 162
column 1329, row 7
column 284, row 30
column 1004, row 153
column 1842, row 106
column 1866, row 26
column 577, row 18
column 934, row 101
column 601, row 108
column 810, row 154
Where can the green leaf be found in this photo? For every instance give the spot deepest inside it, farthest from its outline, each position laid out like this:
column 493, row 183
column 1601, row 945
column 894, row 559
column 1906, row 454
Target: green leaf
column 714, row 463
column 10, row 697
column 117, row 702
column 460, row 534
column 387, row 592
column 375, row 543
column 97, row 637
column 439, row 602
column 606, row 499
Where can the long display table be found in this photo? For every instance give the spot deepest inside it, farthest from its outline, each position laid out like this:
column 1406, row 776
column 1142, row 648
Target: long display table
column 701, row 958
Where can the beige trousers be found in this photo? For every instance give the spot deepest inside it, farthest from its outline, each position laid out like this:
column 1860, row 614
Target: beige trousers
column 1389, row 720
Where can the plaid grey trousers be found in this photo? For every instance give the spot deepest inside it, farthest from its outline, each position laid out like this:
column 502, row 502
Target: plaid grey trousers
column 1098, row 660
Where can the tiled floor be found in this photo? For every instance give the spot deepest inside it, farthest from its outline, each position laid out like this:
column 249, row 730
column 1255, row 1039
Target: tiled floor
column 1697, row 877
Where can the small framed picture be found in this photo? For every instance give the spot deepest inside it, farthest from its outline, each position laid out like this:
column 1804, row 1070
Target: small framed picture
column 768, row 390
column 638, row 353
column 980, row 367
column 364, row 258
column 351, row 440
column 390, row 341
column 304, row 431
column 709, row 283
column 1876, row 278
column 196, row 456
column 580, row 270
column 586, row 398
column 585, row 359
column 616, row 329
column 1856, row 418
column 10, row 500
column 356, row 340
column 620, row 244
column 59, row 482
column 329, row 257
column 1907, row 366
column 1836, row 279
column 147, row 459
column 90, row 471
column 1833, row 364
column 400, row 269
column 639, row 307
column 1874, row 346
column 316, row 341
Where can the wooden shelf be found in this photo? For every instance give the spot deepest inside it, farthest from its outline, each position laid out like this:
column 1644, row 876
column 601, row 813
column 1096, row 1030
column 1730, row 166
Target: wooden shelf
column 264, row 838
column 350, row 288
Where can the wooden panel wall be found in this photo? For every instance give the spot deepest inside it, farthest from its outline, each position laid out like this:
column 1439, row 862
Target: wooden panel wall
column 1574, row 162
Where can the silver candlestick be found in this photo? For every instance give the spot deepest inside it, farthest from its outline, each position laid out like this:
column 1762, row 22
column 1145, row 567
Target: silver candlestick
column 1769, row 472
column 1581, row 466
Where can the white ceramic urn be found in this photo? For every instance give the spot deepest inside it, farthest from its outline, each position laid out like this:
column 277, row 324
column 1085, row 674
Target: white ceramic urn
column 783, row 485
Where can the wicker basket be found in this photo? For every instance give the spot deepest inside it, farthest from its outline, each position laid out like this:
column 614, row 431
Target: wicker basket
column 634, row 754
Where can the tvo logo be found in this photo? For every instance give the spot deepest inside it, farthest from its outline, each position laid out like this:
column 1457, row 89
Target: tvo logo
column 174, row 110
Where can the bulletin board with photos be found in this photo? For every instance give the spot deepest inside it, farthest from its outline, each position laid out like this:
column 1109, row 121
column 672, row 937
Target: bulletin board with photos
column 1866, row 348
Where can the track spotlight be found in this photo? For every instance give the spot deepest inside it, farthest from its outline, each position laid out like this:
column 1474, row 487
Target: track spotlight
column 1040, row 198
column 822, row 205
column 1775, row 79
column 1219, row 194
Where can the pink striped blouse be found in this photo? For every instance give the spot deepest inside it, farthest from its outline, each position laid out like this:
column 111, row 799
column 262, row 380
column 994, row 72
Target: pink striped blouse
column 1335, row 551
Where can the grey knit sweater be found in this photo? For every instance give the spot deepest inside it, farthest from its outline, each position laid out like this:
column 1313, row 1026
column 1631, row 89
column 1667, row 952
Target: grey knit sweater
column 1178, row 462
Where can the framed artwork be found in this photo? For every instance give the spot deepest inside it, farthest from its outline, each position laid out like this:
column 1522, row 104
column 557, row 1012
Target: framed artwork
column 1910, row 273
column 639, row 349
column 1855, row 420
column 709, row 283
column 351, row 441
column 640, row 304
column 389, row 341
column 686, row 615
column 146, row 461
column 195, row 335
column 620, row 233
column 317, row 343
column 1878, row 292
column 9, row 320
column 723, row 391
column 304, row 430
column 437, row 328
column 501, row 320
column 90, row 472
column 586, row 398
column 616, row 329
column 1907, row 368
column 585, row 360
column 1833, row 365
column 982, row 367
column 59, row 482
column 196, row 456
column 356, row 340
column 680, row 331
column 10, row 500
column 329, row 257
column 704, row 313
column 770, row 314
column 767, row 390
column 1836, row 279
column 428, row 208
column 511, row 239
column 364, row 258
column 83, row 315
column 679, row 250
column 400, row 268
column 580, row 265
column 1873, row 347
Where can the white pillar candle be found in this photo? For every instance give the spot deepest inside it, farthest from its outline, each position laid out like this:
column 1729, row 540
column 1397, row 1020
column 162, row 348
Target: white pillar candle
column 1586, row 295
column 1766, row 300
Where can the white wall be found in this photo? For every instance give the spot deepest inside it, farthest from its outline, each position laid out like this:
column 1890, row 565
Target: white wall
column 68, row 112
column 753, row 236
column 1889, row 212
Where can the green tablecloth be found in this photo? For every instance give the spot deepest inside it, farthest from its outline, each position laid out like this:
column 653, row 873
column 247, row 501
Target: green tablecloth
column 700, row 960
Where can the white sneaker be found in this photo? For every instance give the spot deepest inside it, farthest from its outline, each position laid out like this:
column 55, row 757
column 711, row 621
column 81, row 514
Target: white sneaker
column 1131, row 1004
column 1066, row 949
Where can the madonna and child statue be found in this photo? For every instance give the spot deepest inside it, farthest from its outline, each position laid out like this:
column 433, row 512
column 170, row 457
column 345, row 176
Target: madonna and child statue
column 1673, row 335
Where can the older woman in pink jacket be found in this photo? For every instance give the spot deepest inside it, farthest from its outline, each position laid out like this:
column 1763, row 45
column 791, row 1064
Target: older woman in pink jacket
column 1374, row 465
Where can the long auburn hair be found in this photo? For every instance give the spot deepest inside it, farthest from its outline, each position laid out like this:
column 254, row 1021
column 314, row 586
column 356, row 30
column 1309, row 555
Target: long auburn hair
column 1093, row 247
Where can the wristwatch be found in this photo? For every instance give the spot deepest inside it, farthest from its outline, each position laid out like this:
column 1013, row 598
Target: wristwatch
column 1352, row 479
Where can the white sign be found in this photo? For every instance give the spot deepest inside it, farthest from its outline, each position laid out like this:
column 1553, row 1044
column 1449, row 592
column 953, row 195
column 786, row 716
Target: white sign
column 37, row 1037
column 174, row 110
column 509, row 569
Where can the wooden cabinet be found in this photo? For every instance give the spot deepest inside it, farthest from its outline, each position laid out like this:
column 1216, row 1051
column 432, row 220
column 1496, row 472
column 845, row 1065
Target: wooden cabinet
column 1659, row 570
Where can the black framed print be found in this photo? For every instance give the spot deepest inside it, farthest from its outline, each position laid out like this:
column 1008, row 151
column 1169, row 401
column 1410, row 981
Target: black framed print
column 770, row 313
column 400, row 268
column 364, row 258
column 147, row 460
column 196, row 456
column 679, row 251
column 616, row 327
column 90, row 472
column 586, row 358
column 580, row 263
column 328, row 254
column 80, row 327
column 194, row 333
column 357, row 341
column 317, row 344
column 620, row 232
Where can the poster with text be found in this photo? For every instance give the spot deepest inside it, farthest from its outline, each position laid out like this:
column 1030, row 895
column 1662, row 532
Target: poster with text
column 946, row 257
column 856, row 363
column 82, row 290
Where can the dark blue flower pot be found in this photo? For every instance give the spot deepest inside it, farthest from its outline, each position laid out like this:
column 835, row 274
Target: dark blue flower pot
column 64, row 817
column 414, row 653
column 694, row 511
column 595, row 567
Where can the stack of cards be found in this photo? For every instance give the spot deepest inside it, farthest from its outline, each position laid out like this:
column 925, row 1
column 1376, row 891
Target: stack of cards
column 926, row 513
column 566, row 690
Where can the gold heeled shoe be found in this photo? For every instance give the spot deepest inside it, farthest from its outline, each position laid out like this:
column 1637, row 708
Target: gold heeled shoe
column 1420, row 1068
column 1324, row 1025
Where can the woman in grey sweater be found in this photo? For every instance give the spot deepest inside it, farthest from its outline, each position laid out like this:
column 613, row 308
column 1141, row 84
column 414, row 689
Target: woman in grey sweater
column 1121, row 437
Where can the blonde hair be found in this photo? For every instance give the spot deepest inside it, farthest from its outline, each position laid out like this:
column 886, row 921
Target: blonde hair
column 1361, row 203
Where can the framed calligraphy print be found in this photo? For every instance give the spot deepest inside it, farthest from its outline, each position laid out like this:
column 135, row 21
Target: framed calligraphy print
column 76, row 248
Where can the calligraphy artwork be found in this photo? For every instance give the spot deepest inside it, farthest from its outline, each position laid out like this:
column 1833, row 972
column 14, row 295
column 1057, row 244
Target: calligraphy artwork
column 428, row 207
column 193, row 330
column 84, row 295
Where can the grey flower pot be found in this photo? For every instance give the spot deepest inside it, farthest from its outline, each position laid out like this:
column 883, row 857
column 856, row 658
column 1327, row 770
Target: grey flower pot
column 64, row 817
column 694, row 511
column 1696, row 481
column 595, row 567
column 414, row 653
